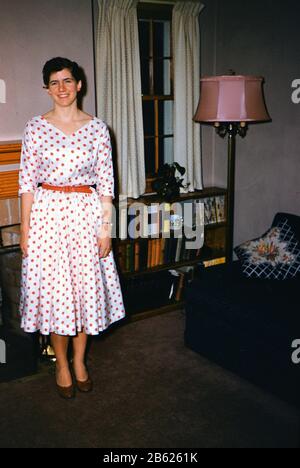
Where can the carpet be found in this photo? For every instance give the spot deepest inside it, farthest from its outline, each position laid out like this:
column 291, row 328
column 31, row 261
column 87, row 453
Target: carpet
column 149, row 392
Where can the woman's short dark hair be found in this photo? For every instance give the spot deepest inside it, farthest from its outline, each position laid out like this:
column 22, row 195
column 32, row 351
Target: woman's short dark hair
column 57, row 64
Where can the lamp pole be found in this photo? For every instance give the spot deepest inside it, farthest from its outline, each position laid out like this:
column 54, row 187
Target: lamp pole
column 231, row 129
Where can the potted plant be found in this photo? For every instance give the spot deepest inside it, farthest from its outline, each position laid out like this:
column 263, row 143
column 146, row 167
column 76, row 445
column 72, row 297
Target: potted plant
column 168, row 183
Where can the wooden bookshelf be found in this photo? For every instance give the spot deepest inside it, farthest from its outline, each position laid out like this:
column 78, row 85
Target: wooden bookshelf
column 213, row 251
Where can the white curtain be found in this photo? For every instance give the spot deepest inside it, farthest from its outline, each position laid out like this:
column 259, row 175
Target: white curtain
column 119, row 89
column 186, row 47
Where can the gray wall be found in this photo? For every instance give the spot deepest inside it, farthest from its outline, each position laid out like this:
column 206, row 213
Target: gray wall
column 257, row 37
column 31, row 32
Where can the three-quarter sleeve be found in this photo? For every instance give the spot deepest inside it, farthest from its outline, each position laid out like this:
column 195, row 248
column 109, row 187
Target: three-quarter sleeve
column 29, row 165
column 104, row 165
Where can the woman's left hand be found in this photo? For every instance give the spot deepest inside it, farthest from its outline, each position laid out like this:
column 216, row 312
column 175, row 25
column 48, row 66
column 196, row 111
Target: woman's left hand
column 104, row 243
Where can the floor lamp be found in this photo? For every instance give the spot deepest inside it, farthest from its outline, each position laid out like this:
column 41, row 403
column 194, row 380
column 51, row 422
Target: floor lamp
column 230, row 102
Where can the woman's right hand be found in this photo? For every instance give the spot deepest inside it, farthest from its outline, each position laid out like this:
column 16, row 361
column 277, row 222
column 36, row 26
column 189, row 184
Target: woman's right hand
column 24, row 240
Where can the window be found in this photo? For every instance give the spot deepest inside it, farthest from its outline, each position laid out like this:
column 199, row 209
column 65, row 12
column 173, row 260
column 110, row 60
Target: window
column 155, row 40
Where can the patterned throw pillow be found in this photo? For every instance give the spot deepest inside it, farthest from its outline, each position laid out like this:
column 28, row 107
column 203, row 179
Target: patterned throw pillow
column 276, row 255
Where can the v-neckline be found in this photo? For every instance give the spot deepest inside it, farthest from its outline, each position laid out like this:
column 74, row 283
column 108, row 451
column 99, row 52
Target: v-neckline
column 63, row 133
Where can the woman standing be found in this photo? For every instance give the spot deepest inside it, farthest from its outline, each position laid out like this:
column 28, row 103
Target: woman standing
column 69, row 285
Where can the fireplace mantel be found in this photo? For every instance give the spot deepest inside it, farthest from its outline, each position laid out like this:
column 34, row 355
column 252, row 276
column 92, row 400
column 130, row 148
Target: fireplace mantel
column 10, row 152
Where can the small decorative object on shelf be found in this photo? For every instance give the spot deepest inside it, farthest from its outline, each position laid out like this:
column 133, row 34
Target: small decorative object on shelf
column 167, row 184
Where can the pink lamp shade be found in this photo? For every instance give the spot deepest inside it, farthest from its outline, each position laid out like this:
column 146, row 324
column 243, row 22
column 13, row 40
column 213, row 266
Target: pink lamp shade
column 231, row 98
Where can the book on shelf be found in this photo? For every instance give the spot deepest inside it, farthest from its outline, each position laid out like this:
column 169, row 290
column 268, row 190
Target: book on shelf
column 122, row 225
column 214, row 262
column 143, row 253
column 165, row 225
column 162, row 251
column 180, row 286
column 178, row 249
column 199, row 213
column 220, row 208
column 210, row 213
column 158, row 251
column 121, row 256
column 150, row 250
column 154, row 216
column 133, row 222
column 127, row 257
column 136, row 256
column 174, row 292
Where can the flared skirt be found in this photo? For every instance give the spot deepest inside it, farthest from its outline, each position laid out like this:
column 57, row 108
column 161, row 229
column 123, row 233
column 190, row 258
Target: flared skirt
column 66, row 287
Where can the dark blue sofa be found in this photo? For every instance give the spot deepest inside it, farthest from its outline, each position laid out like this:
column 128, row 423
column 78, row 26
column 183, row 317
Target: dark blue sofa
column 248, row 325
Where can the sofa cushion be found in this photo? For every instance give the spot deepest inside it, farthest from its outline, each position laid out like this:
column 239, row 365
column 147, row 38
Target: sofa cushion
column 276, row 255
column 293, row 220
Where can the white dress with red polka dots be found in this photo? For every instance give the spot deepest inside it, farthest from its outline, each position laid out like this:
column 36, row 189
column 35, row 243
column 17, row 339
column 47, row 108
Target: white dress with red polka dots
column 65, row 286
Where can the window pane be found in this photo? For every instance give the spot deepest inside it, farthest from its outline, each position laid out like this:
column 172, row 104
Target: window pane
column 166, row 151
column 167, row 77
column 144, row 38
column 148, row 116
column 150, row 155
column 145, row 76
column 161, row 39
column 165, row 117
column 162, row 77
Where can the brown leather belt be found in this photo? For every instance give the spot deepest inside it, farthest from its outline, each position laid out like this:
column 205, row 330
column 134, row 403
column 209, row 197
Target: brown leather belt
column 68, row 188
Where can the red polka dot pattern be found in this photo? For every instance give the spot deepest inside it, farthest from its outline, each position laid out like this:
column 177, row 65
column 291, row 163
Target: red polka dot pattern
column 65, row 286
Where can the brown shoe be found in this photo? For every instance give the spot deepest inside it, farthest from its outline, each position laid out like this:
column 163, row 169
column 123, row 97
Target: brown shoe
column 85, row 386
column 66, row 392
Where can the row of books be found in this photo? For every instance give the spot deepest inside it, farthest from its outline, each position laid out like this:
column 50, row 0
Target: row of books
column 154, row 219
column 149, row 253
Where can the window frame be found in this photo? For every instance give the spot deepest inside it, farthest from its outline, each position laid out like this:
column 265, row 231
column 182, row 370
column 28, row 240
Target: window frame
column 153, row 12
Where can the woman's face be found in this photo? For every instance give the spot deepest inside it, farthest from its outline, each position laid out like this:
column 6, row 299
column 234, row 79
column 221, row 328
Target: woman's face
column 63, row 88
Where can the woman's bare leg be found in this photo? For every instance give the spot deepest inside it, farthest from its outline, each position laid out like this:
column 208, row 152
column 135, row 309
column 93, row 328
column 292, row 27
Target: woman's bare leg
column 79, row 349
column 60, row 346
